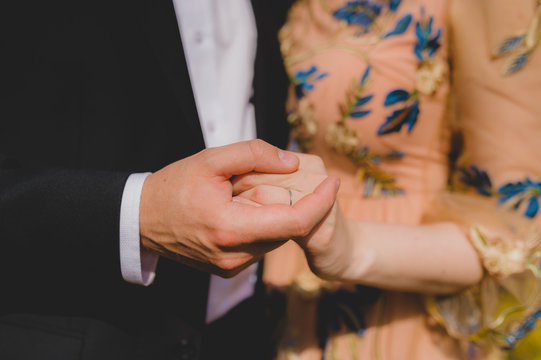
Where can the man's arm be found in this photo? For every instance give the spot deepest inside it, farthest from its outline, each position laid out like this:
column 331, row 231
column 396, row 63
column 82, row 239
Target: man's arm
column 58, row 223
column 65, row 223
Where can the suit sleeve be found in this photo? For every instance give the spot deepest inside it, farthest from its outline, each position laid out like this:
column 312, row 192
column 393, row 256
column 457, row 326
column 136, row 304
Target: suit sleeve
column 58, row 224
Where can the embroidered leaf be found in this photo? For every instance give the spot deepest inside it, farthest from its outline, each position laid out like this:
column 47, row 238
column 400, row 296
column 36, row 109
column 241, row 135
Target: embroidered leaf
column 359, row 12
column 533, row 207
column 393, row 5
column 365, row 76
column 509, row 44
column 400, row 27
column 369, row 183
column 429, row 26
column 418, row 50
column 360, row 114
column 394, row 155
column 426, row 45
column 304, row 80
column 476, row 178
column 398, row 118
column 321, row 76
column 364, row 100
column 396, row 96
column 434, row 44
column 516, row 63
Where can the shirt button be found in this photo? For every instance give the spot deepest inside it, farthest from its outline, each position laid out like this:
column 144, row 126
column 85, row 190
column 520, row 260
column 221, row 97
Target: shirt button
column 185, row 350
column 198, row 37
column 210, row 127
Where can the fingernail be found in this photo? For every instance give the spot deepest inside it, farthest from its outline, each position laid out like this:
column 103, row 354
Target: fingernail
column 287, row 158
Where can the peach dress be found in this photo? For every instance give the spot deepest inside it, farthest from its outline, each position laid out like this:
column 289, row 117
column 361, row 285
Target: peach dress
column 371, row 95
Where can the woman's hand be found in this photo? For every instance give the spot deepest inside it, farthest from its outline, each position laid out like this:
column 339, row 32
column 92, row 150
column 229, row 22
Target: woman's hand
column 328, row 246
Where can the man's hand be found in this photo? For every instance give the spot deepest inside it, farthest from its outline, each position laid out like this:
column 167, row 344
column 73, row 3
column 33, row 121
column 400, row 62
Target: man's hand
column 188, row 212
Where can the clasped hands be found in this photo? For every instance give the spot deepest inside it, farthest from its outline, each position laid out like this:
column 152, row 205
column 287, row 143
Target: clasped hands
column 222, row 209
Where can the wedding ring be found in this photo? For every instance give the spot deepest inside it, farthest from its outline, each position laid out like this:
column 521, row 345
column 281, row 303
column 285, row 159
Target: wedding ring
column 290, row 198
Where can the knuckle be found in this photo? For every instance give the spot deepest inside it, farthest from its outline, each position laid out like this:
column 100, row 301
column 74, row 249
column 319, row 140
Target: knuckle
column 229, row 266
column 303, row 228
column 256, row 147
column 225, row 239
column 259, row 195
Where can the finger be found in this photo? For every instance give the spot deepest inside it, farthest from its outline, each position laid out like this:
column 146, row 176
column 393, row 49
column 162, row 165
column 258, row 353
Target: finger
column 275, row 222
column 268, row 194
column 249, row 181
column 301, row 181
column 244, row 157
column 245, row 200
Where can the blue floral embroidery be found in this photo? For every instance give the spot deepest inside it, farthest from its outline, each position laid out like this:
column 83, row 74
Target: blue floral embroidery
column 406, row 115
column 527, row 326
column 355, row 110
column 304, row 81
column 476, row 178
column 360, row 12
column 509, row 44
column 520, row 192
column 376, row 182
column 517, row 193
column 393, row 4
column 427, row 43
column 401, row 26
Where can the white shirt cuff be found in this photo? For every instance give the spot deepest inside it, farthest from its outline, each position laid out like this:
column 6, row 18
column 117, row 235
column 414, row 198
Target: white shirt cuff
column 137, row 265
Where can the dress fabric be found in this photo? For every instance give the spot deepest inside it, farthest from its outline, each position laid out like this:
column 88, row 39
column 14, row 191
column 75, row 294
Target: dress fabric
column 371, row 95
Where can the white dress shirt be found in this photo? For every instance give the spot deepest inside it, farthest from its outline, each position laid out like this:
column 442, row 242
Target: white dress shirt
column 219, row 39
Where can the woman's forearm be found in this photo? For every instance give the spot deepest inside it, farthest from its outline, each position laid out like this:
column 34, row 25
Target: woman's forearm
column 435, row 258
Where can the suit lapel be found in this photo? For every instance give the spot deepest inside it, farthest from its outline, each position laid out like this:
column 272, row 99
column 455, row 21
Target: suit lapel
column 165, row 39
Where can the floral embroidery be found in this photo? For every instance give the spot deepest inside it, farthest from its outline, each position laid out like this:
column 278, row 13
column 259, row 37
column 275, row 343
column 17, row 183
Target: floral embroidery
column 365, row 13
column 527, row 326
column 377, row 18
column 376, row 181
column 361, row 12
column 303, row 121
column 303, row 126
column 345, row 141
column 342, row 139
column 427, row 43
column 406, row 115
column 520, row 47
column 400, row 27
column 304, row 81
column 476, row 178
column 338, row 136
column 430, row 72
column 516, row 195
column 393, row 4
column 503, row 257
column 430, row 75
column 356, row 101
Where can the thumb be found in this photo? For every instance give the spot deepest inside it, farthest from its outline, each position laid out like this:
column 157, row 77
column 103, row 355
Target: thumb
column 248, row 156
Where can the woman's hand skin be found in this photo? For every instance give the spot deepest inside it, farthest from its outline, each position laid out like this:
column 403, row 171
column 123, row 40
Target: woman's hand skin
column 327, row 246
column 435, row 258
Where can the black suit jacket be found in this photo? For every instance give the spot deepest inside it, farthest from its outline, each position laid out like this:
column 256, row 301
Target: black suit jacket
column 91, row 91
